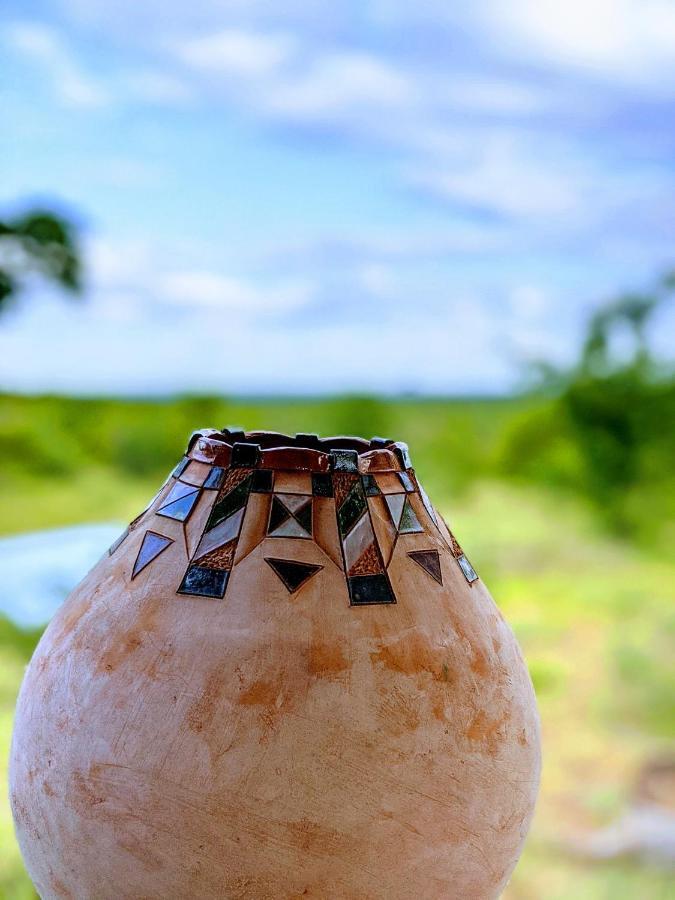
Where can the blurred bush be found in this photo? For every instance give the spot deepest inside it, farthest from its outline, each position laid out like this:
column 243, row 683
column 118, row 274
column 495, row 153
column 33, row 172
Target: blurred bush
column 609, row 432
column 38, row 242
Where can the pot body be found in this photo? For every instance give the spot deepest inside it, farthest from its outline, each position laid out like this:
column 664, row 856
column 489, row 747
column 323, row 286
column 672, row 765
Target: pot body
column 289, row 684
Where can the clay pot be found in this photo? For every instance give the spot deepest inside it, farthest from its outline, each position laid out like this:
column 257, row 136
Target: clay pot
column 285, row 680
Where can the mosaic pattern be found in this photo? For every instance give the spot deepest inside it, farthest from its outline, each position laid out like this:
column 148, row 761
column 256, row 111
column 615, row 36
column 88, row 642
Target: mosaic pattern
column 153, row 544
column 204, row 582
column 427, row 504
column 409, row 523
column 179, row 502
column 406, row 481
column 367, row 580
column 368, row 563
column 214, row 479
column 290, row 516
column 469, row 572
column 293, row 574
column 373, row 512
column 181, row 467
column 263, row 481
column 430, row 561
column 370, row 486
column 368, row 589
column 402, row 514
column 467, row 569
column 213, row 558
column 322, row 484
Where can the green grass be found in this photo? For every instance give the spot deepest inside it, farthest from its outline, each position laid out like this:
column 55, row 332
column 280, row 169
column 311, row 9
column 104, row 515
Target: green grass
column 594, row 614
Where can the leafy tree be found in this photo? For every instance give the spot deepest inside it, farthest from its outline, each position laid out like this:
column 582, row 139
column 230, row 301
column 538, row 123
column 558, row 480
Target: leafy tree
column 610, row 431
column 38, row 242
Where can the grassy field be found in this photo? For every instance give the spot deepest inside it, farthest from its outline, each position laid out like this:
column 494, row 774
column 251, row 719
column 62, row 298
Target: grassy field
column 593, row 612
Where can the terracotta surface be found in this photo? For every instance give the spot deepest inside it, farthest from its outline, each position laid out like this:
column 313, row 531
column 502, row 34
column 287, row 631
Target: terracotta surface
column 278, row 742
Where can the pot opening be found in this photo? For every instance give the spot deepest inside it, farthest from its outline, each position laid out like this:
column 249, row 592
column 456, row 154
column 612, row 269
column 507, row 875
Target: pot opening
column 268, row 440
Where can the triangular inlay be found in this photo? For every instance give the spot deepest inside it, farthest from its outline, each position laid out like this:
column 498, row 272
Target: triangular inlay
column 180, row 509
column 395, row 503
column 409, row 523
column 153, row 544
column 290, row 516
column 290, row 528
column 304, row 516
column 178, row 490
column 293, row 574
column 229, row 503
column 430, row 561
column 223, row 533
column 220, row 558
column 294, row 502
column 278, row 515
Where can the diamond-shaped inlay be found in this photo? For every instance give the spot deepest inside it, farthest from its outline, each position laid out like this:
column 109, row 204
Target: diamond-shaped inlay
column 430, row 561
column 293, row 574
column 290, row 516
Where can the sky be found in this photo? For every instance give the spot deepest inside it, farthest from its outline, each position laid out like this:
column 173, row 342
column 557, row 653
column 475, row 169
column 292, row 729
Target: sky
column 370, row 196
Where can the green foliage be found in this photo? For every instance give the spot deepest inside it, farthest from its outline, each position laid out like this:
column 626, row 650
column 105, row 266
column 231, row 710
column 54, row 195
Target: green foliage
column 38, row 242
column 610, row 431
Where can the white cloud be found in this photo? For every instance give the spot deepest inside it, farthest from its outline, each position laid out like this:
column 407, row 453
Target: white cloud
column 283, row 78
column 530, row 301
column 234, row 52
column 499, row 96
column 212, row 290
column 503, row 176
column 338, row 82
column 628, row 40
column 45, row 47
column 378, row 280
column 137, row 268
column 115, row 264
column 156, row 86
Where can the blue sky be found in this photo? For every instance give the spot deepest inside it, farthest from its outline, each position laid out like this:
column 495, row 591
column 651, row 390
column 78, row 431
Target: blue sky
column 372, row 196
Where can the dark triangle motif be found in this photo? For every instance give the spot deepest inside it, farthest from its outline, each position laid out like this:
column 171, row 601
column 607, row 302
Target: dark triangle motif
column 153, row 544
column 293, row 574
column 304, row 516
column 428, row 560
column 278, row 515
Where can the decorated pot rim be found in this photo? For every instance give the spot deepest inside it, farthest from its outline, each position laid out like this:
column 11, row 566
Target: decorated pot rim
column 300, row 452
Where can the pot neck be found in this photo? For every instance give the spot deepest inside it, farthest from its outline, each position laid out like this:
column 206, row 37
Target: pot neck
column 301, row 452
